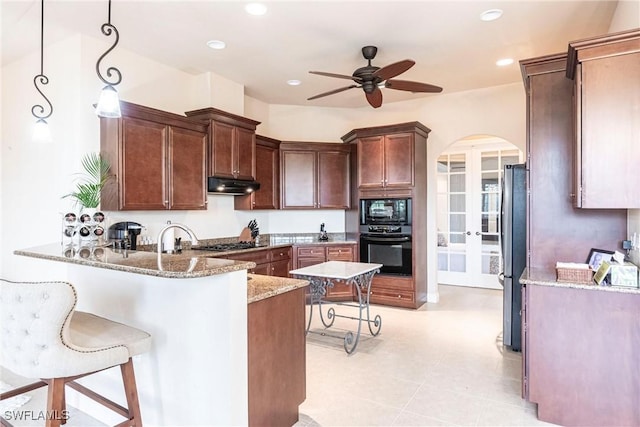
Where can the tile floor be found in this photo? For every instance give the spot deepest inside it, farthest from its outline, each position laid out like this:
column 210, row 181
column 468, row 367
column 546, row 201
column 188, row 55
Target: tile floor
column 443, row 364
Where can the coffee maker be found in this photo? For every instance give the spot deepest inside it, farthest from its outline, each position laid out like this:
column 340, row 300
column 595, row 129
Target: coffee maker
column 124, row 235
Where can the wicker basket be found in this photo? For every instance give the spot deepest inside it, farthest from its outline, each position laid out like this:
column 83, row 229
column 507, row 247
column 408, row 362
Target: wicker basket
column 575, row 275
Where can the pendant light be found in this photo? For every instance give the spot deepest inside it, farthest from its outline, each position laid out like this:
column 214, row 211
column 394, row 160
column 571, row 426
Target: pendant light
column 41, row 132
column 109, row 103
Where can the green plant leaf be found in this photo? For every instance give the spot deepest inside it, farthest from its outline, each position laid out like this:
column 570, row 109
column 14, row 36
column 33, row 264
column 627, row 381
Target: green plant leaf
column 90, row 183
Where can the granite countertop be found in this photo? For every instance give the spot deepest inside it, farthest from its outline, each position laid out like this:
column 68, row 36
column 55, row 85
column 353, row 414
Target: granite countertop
column 261, row 287
column 183, row 266
column 547, row 277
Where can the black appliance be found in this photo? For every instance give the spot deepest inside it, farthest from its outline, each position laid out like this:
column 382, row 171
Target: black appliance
column 513, row 244
column 120, row 232
column 222, row 247
column 387, row 245
column 385, row 211
column 218, row 185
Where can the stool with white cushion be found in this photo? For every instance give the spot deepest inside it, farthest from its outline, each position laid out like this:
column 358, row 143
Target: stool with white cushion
column 42, row 336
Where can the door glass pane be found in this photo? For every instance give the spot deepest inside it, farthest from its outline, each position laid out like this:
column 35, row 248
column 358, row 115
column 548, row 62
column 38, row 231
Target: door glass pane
column 490, row 202
column 443, row 164
column 490, row 181
column 457, row 163
column 489, row 161
column 457, row 203
column 490, row 223
column 456, row 183
column 490, row 264
column 510, row 157
column 457, row 222
column 458, row 238
column 443, row 261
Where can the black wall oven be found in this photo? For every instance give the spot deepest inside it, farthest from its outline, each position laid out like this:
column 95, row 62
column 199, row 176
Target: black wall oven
column 393, row 251
column 385, row 234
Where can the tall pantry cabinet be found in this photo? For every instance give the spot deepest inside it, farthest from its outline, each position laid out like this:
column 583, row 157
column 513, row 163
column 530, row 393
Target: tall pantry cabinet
column 557, row 231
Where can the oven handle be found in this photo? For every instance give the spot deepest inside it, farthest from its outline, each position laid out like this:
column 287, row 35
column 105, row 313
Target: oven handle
column 387, row 239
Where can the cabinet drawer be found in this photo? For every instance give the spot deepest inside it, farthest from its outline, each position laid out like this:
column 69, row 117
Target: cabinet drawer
column 340, row 253
column 278, row 254
column 394, row 297
column 311, row 251
column 259, row 257
column 384, row 282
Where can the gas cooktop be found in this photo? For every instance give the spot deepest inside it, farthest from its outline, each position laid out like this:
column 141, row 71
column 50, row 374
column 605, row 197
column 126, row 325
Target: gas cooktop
column 221, row 247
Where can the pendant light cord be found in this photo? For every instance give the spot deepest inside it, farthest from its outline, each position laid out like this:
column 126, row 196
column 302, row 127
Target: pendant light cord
column 38, row 110
column 107, row 30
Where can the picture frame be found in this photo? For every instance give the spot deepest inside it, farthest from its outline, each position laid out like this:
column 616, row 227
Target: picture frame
column 597, row 256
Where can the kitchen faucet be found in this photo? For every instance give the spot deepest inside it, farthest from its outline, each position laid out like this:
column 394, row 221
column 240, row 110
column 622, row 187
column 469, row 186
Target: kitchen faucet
column 192, row 236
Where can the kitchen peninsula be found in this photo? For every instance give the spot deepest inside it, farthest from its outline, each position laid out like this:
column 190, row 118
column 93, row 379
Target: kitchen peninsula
column 200, row 312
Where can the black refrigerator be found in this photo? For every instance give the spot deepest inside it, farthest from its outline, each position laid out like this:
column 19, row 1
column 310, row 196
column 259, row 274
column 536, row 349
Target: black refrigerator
column 513, row 242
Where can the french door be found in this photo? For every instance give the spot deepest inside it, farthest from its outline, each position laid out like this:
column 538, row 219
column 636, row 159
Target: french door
column 468, row 214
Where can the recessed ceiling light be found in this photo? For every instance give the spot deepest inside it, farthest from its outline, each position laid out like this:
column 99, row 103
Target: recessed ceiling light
column 504, row 62
column 216, row 44
column 293, row 82
column 256, row 9
column 491, row 15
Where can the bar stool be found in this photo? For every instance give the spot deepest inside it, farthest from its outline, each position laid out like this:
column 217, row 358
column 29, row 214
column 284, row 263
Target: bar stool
column 42, row 336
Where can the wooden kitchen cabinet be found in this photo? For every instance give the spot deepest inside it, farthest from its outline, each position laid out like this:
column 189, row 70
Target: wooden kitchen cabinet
column 314, row 175
column 391, row 162
column 316, row 254
column 606, row 73
column 555, row 229
column 267, row 174
column 232, row 143
column 582, row 355
column 386, row 161
column 276, row 358
column 269, row 262
column 158, row 160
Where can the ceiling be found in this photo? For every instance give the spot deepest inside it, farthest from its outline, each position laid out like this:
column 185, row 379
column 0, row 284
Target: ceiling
column 451, row 46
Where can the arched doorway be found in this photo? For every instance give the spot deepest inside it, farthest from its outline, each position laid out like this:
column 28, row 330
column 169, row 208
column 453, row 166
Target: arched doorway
column 469, row 180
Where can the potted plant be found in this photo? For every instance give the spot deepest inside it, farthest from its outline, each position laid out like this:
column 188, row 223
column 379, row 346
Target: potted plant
column 90, row 183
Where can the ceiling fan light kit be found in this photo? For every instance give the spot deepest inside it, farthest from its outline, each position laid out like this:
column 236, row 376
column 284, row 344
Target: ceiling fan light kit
column 371, row 78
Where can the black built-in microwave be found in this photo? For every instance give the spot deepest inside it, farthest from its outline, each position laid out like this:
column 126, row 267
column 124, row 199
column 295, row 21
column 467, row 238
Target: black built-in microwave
column 385, row 212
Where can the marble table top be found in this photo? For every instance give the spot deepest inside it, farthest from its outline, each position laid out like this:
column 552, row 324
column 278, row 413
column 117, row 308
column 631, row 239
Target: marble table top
column 336, row 269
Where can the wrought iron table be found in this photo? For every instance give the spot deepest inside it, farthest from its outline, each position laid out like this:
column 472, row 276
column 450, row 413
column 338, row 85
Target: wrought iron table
column 357, row 274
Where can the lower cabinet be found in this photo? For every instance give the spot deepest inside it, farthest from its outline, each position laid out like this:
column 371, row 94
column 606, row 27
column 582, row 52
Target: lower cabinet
column 269, row 262
column 316, row 254
column 277, row 358
column 581, row 355
column 396, row 291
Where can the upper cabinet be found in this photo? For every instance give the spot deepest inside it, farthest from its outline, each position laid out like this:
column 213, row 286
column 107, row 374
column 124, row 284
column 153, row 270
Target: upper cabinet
column 158, row 159
column 232, row 143
column 267, row 174
column 386, row 155
column 314, row 175
column 606, row 71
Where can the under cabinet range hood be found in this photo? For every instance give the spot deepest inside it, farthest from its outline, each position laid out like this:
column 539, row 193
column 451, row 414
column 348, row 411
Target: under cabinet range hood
column 231, row 186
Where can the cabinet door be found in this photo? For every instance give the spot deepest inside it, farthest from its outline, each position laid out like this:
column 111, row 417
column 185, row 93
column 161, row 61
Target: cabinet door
column 333, row 180
column 187, row 154
column 370, row 162
column 280, row 268
column 398, row 160
column 340, row 291
column 267, row 174
column 221, row 162
column 610, row 134
column 143, row 165
column 244, row 153
column 298, row 180
column 264, row 269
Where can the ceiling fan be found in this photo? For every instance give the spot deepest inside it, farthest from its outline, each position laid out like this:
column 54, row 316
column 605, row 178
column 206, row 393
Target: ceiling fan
column 371, row 78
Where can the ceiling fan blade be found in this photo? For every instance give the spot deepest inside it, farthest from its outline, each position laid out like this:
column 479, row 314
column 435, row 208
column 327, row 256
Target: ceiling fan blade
column 412, row 86
column 338, row 76
column 375, row 98
column 394, row 69
column 331, row 92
